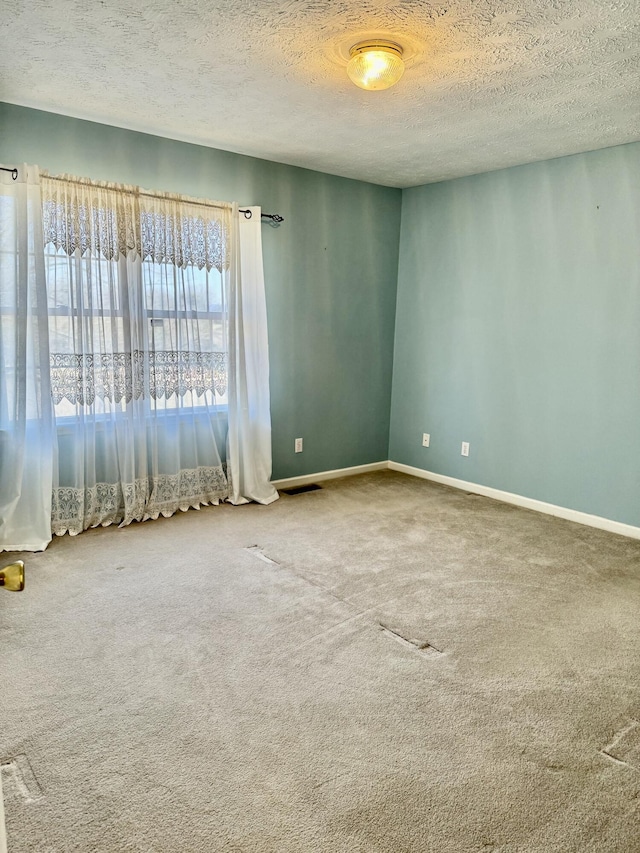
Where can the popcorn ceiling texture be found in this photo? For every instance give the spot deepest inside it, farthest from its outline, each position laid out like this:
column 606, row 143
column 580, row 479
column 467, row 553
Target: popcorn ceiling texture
column 491, row 84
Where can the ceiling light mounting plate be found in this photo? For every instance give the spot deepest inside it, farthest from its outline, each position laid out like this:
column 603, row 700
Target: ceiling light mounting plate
column 375, row 44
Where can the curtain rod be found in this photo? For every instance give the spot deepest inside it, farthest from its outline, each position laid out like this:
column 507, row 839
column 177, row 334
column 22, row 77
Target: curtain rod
column 275, row 218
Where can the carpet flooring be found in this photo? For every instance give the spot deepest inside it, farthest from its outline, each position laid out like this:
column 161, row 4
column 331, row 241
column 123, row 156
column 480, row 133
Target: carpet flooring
column 384, row 664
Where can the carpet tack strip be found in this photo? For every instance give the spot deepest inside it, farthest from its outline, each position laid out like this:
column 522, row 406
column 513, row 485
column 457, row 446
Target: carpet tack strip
column 258, row 552
column 19, row 780
column 625, row 747
column 415, row 645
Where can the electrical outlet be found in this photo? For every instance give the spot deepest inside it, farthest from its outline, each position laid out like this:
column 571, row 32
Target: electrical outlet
column 465, row 448
column 426, row 438
column 298, row 445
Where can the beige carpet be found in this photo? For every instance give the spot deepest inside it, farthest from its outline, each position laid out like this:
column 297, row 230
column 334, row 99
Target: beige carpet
column 381, row 665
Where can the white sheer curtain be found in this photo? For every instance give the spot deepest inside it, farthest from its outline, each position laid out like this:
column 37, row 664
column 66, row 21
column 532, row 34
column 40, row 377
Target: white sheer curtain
column 26, row 435
column 249, row 401
column 134, row 357
column 136, row 290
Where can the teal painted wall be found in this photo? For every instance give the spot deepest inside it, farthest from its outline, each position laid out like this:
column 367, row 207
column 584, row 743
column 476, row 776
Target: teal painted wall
column 518, row 330
column 330, row 273
column 517, row 324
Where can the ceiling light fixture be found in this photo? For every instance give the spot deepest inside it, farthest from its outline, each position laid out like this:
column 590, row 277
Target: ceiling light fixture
column 375, row 64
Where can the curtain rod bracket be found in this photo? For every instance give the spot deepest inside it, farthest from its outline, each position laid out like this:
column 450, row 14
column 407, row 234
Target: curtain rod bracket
column 275, row 218
column 13, row 171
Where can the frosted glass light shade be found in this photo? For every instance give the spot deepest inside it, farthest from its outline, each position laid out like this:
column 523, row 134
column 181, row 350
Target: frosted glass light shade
column 375, row 65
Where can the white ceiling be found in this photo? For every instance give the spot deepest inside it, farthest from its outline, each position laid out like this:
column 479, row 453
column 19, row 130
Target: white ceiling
column 492, row 83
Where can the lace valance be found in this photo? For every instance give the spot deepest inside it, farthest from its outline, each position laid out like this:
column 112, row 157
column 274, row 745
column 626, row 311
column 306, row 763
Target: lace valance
column 180, row 239
column 115, row 220
column 125, row 376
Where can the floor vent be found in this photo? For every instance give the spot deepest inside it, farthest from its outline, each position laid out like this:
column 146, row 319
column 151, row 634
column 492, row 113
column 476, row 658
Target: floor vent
column 298, row 490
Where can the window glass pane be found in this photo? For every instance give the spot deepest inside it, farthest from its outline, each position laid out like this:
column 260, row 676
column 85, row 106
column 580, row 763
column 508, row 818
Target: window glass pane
column 175, row 349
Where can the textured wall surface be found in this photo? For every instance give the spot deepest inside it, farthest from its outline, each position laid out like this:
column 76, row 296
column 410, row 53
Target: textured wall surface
column 518, row 330
column 330, row 272
column 517, row 316
column 489, row 84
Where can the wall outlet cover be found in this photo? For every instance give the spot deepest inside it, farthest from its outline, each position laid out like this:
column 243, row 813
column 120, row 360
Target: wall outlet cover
column 426, row 438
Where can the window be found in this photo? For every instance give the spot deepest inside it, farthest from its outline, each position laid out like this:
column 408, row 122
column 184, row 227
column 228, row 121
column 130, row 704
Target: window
column 120, row 332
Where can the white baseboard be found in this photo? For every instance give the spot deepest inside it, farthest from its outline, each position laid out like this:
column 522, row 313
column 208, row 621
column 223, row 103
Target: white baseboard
column 305, row 479
column 486, row 491
column 519, row 500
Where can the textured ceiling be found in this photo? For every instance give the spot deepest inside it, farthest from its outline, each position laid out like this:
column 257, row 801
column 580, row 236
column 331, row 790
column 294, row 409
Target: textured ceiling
column 491, row 83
